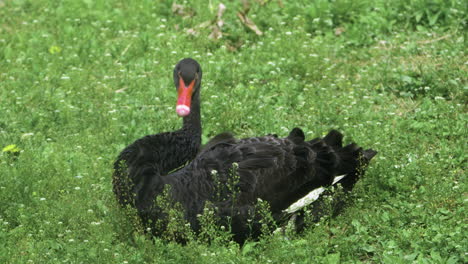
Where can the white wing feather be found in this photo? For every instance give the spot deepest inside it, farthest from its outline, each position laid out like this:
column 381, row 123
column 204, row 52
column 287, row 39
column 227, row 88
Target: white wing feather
column 309, row 198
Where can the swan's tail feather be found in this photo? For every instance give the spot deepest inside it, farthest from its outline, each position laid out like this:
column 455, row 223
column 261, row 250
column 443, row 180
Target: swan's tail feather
column 296, row 135
column 334, row 139
column 335, row 164
column 350, row 164
column 369, row 154
column 353, row 162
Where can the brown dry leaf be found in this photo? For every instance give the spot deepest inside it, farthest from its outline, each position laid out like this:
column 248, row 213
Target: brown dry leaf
column 192, row 32
column 339, row 31
column 249, row 23
column 176, row 8
column 234, row 46
column 245, row 6
column 204, row 24
column 263, row 2
column 214, row 25
column 182, row 11
column 216, row 32
column 280, row 3
column 219, row 15
column 434, row 40
column 121, row 90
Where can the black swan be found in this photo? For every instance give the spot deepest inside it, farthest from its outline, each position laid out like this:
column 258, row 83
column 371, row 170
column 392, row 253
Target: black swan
column 230, row 175
column 141, row 164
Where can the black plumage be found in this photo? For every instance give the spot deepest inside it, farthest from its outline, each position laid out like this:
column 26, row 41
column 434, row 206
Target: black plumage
column 231, row 174
column 140, row 164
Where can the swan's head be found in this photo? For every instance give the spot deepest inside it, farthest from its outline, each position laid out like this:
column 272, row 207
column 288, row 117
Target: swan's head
column 187, row 79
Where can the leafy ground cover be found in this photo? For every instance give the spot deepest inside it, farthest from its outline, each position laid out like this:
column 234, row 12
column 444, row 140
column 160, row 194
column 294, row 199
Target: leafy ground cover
column 79, row 80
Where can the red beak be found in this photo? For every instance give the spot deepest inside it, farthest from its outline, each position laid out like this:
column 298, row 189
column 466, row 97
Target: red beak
column 185, row 98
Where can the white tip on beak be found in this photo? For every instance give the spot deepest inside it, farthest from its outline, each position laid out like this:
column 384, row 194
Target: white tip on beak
column 182, row 110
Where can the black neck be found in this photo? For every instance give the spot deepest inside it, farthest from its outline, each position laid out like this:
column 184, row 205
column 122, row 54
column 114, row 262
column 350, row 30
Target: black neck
column 192, row 122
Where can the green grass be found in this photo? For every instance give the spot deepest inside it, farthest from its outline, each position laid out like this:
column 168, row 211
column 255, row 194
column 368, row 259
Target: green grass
column 80, row 80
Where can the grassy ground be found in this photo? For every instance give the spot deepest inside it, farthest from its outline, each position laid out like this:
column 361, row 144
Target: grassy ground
column 79, row 80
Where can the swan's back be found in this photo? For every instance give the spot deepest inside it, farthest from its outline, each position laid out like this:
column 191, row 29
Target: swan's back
column 234, row 173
